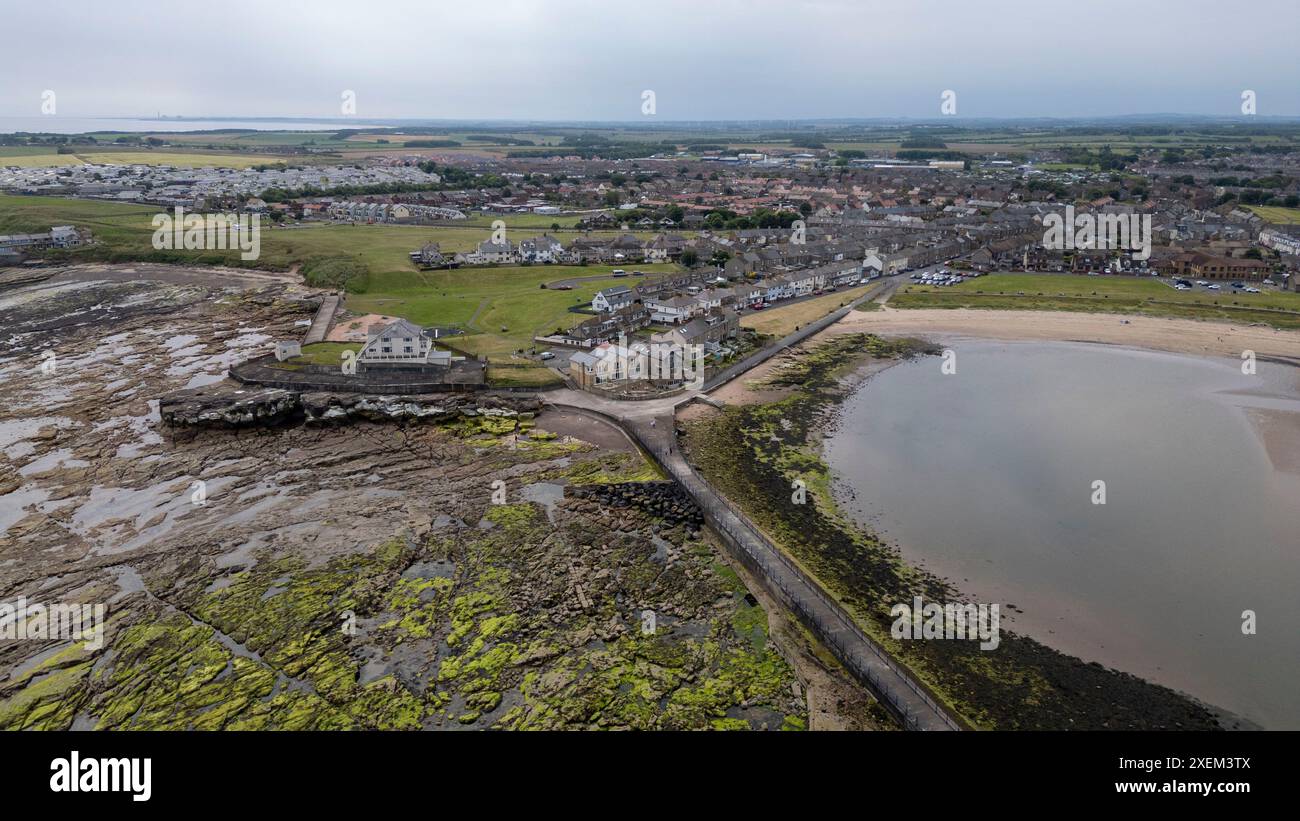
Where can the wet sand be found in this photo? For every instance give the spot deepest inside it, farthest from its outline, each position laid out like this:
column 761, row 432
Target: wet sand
column 1188, row 336
column 587, row 428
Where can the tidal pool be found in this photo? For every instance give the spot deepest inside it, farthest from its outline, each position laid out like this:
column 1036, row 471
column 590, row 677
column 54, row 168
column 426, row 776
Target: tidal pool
column 987, row 477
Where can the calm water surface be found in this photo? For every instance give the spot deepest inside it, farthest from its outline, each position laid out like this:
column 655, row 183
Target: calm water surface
column 985, row 476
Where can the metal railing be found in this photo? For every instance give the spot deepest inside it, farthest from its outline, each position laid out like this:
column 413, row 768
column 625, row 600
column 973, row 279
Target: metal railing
column 714, row 504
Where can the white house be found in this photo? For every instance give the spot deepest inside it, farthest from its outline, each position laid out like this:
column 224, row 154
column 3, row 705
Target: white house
column 777, row 288
column 805, row 282
column 399, row 343
column 489, row 251
column 612, row 299
column 708, row 300
column 674, row 309
column 543, row 249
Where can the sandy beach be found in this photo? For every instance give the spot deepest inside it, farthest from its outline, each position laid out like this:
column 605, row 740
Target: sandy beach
column 1183, row 336
column 1187, row 336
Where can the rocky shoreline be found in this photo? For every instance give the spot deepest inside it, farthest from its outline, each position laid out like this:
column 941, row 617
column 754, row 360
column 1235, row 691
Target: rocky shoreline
column 282, row 560
column 226, row 405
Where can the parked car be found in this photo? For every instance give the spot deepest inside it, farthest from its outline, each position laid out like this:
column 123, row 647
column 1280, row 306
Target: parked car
column 547, row 355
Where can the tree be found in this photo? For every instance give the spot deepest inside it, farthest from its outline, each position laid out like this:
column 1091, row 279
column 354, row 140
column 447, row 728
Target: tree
column 690, row 257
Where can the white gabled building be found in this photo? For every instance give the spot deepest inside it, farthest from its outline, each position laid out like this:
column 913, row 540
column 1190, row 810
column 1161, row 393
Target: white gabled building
column 778, row 287
column 400, row 343
column 492, row 252
column 544, row 248
column 612, row 299
column 676, row 309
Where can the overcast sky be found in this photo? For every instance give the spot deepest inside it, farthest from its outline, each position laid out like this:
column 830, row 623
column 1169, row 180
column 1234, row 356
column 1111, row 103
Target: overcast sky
column 704, row 59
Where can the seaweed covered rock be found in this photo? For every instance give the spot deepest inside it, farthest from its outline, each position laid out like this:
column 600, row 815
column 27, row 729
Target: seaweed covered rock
column 662, row 500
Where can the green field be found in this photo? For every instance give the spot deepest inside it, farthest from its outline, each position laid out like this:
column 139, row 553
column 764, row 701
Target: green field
column 487, row 300
column 34, row 157
column 1071, row 292
column 41, row 156
column 178, row 158
column 1276, row 214
column 124, row 232
column 484, row 301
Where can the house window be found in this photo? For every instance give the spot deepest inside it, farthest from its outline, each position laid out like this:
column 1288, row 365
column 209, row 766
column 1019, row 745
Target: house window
column 387, row 349
column 407, row 349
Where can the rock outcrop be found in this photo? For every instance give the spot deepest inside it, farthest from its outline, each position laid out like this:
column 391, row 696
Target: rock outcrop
column 228, row 406
column 664, row 500
column 214, row 407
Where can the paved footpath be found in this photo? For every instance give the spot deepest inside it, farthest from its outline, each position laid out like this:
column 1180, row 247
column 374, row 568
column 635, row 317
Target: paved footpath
column 320, row 324
column 651, row 423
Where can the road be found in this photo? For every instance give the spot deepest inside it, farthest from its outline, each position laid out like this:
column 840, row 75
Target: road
column 651, row 423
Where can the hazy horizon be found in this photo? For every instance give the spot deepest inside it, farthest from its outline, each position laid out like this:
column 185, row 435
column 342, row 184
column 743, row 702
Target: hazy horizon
column 727, row 61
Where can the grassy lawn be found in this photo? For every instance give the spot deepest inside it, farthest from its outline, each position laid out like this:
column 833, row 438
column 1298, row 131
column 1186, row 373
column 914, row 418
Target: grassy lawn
column 783, row 320
column 1276, row 214
column 1103, row 294
column 486, row 300
column 125, row 230
column 325, row 353
column 522, row 376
